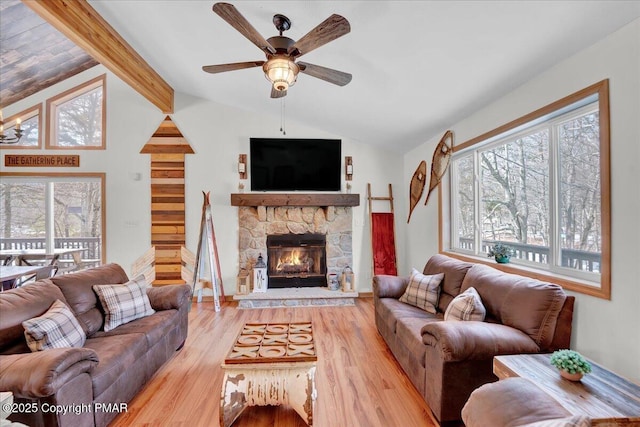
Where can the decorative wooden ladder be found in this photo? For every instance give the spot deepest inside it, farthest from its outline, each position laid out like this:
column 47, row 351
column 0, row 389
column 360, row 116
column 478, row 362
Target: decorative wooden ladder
column 382, row 233
column 207, row 242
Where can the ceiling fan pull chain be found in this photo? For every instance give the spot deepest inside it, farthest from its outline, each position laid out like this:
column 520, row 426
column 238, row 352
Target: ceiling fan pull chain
column 282, row 118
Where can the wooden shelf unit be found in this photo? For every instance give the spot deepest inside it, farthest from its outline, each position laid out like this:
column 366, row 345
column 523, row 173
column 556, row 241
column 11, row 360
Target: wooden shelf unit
column 294, row 199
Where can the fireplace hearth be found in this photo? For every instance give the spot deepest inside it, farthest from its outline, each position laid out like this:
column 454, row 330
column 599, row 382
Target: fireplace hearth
column 296, row 260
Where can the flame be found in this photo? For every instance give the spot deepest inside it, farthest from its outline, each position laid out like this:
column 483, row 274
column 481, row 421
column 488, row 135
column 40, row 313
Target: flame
column 291, row 258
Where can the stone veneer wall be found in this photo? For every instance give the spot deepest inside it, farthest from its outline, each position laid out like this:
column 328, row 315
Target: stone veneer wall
column 255, row 223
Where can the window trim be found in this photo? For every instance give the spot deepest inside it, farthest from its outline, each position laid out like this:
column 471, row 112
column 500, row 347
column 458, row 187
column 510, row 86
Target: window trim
column 24, row 115
column 570, row 283
column 53, row 102
column 103, row 188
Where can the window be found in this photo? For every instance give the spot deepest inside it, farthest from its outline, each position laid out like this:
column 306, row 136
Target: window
column 53, row 211
column 76, row 118
column 30, row 125
column 540, row 185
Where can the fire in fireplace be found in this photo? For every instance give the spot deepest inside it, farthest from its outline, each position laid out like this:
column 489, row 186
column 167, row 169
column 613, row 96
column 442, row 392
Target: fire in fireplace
column 296, row 260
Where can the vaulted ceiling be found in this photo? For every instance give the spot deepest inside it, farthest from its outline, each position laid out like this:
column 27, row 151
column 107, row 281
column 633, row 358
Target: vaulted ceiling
column 418, row 66
column 33, row 55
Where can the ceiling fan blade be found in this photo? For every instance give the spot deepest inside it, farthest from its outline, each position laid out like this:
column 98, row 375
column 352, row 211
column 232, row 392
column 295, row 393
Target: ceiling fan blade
column 229, row 13
column 330, row 29
column 221, row 68
column 277, row 93
column 336, row 77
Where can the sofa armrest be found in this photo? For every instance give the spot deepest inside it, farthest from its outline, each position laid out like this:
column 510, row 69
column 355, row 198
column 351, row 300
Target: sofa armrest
column 41, row 374
column 460, row 340
column 386, row 286
column 513, row 402
column 169, row 297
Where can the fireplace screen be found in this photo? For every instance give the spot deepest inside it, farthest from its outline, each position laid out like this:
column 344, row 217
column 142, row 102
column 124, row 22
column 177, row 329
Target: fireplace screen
column 296, row 260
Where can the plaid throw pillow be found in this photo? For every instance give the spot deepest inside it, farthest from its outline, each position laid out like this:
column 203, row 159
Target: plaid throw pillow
column 57, row 328
column 466, row 306
column 423, row 291
column 124, row 303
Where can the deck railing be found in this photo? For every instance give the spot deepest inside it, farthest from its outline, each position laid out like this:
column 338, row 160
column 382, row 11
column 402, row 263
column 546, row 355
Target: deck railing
column 571, row 258
column 91, row 246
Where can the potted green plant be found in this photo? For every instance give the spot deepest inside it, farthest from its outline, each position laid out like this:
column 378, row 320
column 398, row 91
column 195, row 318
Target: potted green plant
column 502, row 253
column 572, row 365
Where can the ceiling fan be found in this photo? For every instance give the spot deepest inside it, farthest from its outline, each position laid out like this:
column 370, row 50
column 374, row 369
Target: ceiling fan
column 280, row 67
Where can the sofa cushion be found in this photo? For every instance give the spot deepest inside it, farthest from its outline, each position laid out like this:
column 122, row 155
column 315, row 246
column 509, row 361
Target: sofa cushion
column 466, row 306
column 116, row 356
column 423, row 291
column 517, row 301
column 57, row 328
column 20, row 304
column 408, row 332
column 124, row 303
column 391, row 310
column 454, row 272
column 79, row 294
column 154, row 328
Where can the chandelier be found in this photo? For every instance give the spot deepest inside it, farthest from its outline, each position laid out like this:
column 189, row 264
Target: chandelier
column 4, row 139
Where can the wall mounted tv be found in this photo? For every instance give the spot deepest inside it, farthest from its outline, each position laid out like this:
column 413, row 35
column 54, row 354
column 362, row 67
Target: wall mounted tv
column 278, row 164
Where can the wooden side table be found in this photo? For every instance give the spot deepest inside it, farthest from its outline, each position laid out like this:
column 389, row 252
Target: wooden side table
column 270, row 364
column 608, row 399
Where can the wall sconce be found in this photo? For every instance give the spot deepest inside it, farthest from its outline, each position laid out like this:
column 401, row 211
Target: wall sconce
column 242, row 166
column 348, row 168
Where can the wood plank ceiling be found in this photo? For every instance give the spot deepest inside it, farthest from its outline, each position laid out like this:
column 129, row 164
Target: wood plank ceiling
column 44, row 42
column 33, row 54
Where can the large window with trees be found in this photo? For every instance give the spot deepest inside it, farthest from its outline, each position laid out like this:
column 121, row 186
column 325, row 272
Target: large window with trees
column 76, row 118
column 53, row 211
column 541, row 186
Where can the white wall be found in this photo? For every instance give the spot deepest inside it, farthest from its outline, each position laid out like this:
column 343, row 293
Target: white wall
column 217, row 134
column 606, row 331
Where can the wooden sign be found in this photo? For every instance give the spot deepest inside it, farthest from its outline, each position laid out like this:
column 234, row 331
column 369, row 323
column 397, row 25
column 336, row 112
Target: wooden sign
column 168, row 147
column 42, row 160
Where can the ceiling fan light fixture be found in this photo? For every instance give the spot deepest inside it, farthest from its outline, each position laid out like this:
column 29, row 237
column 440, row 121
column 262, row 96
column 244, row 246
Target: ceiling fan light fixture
column 282, row 72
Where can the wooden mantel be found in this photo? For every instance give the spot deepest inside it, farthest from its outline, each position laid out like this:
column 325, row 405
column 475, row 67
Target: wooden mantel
column 294, row 199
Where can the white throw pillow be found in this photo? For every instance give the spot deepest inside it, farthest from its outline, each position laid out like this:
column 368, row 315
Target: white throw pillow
column 57, row 328
column 124, row 303
column 423, row 291
column 466, row 306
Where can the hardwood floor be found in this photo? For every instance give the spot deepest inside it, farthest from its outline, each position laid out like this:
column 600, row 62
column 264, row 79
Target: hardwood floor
column 358, row 380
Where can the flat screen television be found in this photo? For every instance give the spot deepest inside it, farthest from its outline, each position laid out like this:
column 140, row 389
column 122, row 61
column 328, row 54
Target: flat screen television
column 278, row 164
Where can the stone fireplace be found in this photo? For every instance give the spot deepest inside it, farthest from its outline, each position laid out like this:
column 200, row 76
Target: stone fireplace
column 288, row 226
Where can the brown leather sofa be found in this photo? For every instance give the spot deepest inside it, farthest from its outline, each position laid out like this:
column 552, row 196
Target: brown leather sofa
column 517, row 402
column 447, row 360
column 85, row 386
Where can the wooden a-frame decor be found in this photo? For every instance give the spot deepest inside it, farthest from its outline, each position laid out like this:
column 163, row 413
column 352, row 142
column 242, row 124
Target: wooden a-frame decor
column 167, row 147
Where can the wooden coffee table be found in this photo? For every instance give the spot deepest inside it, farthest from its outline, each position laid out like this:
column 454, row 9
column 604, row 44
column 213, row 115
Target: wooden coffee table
column 270, row 364
column 602, row 395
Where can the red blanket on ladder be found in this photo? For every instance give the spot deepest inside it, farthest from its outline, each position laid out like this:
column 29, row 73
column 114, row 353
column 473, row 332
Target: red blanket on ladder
column 383, row 243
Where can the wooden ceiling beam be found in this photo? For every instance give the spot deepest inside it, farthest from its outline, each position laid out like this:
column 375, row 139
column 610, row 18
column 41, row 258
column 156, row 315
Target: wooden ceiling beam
column 82, row 24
